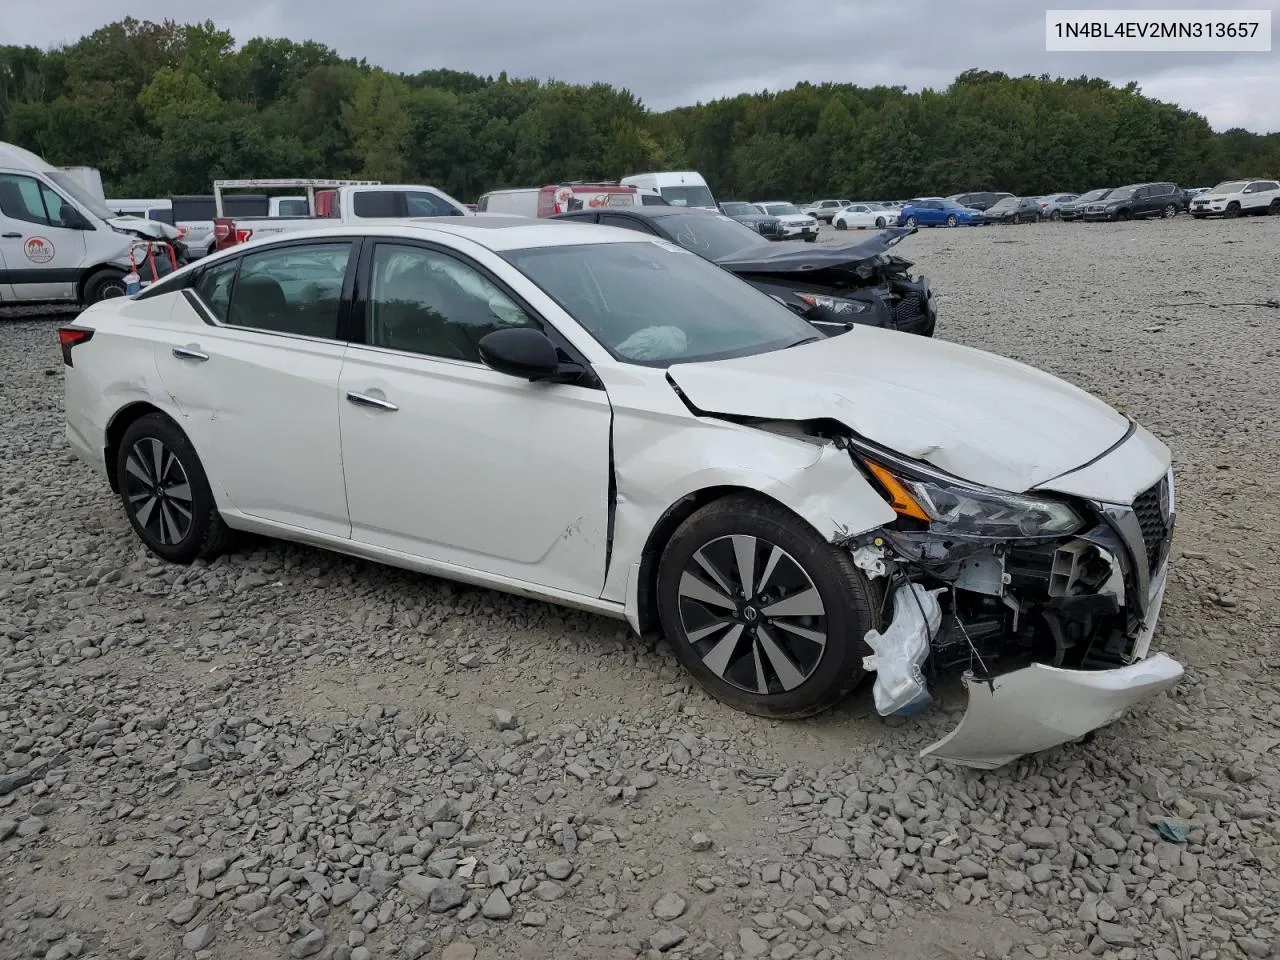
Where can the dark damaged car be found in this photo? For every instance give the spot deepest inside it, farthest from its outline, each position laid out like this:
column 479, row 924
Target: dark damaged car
column 832, row 285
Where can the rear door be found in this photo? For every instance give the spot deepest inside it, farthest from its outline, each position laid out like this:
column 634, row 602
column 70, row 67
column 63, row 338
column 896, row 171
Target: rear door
column 42, row 259
column 257, row 381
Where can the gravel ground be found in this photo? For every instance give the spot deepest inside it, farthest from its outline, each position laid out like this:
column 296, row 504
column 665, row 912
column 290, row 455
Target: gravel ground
column 287, row 753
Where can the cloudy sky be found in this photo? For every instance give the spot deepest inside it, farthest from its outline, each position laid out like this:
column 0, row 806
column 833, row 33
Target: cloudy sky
column 674, row 52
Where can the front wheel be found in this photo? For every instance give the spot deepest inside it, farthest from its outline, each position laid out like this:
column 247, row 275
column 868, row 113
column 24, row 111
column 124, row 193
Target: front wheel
column 1170, row 211
column 767, row 615
column 953, row 221
column 1233, row 210
column 810, row 239
column 1056, row 215
column 104, row 285
column 165, row 492
column 911, row 221
column 841, row 225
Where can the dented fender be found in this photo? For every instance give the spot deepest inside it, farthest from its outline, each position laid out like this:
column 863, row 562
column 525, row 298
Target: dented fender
column 663, row 455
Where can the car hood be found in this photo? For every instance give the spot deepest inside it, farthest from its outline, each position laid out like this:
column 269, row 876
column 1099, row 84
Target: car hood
column 983, row 418
column 771, row 258
column 148, row 229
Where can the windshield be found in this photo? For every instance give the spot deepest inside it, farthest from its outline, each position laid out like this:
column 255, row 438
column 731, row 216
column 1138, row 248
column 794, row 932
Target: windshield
column 699, row 196
column 1005, row 204
column 739, row 209
column 654, row 304
column 711, row 237
column 1092, row 195
column 1122, row 193
column 781, row 209
column 81, row 196
column 1231, row 186
column 952, row 205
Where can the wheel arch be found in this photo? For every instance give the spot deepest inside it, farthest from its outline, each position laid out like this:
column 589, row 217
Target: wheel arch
column 123, row 418
column 88, row 273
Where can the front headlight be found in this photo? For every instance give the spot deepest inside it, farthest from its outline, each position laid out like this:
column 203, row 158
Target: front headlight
column 834, row 304
column 954, row 508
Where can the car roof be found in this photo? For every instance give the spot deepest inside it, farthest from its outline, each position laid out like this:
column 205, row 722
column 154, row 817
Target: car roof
column 496, row 233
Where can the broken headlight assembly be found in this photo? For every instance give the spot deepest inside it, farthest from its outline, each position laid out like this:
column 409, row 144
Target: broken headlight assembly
column 951, row 507
column 837, row 305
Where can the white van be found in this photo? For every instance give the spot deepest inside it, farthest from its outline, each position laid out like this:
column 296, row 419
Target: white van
column 57, row 241
column 522, row 202
column 679, row 188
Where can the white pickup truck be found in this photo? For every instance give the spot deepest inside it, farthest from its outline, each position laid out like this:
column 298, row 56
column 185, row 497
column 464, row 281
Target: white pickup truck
column 343, row 201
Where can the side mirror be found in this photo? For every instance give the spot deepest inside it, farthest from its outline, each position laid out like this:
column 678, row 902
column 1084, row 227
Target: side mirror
column 520, row 352
column 73, row 219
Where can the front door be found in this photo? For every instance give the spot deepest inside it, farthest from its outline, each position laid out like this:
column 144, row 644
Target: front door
column 451, row 461
column 257, row 383
column 40, row 259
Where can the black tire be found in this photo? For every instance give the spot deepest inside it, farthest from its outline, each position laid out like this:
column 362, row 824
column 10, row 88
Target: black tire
column 104, row 285
column 142, row 470
column 953, row 220
column 1056, row 215
column 805, row 677
column 1198, row 216
column 840, row 225
column 879, row 221
column 910, row 221
column 810, row 239
column 1274, row 208
column 1233, row 210
column 1123, row 215
column 1170, row 211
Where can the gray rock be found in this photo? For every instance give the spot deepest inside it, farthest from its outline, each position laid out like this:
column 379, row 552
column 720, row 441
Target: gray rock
column 7, row 829
column 417, row 887
column 700, row 842
column 548, row 890
column 162, row 868
column 505, row 720
column 559, row 869
column 828, row 846
column 181, row 914
column 669, row 906
column 31, row 827
column 667, row 938
column 496, row 906
column 199, row 938
column 308, row 945
column 448, row 895
column 1117, row 935
column 1039, row 838
column 459, row 950
column 196, row 762
column 264, row 920
column 751, row 943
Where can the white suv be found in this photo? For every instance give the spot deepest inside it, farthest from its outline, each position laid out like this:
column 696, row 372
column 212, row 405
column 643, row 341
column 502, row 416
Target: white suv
column 1236, row 197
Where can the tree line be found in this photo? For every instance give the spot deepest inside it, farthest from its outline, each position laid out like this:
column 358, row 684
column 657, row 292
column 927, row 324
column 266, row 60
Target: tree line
column 165, row 108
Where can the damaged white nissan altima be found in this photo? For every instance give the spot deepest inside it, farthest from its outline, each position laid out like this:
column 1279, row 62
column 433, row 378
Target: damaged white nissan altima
column 607, row 421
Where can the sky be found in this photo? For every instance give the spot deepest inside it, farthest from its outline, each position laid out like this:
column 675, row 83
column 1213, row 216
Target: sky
column 677, row 52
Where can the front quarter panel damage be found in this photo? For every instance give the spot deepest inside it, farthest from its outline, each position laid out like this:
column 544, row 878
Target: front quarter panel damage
column 663, row 456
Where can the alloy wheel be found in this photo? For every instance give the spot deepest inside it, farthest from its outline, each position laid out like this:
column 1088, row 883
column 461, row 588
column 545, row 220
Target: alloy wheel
column 158, row 491
column 1170, row 212
column 752, row 614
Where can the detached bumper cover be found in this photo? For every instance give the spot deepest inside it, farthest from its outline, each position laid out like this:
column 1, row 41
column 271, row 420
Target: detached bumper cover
column 1039, row 707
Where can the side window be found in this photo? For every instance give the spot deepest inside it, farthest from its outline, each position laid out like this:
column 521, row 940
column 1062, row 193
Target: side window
column 293, row 290
column 1268, row 185
column 627, row 223
column 22, row 198
column 213, row 287
column 424, row 204
column 427, row 302
column 374, row 204
column 482, row 205
column 649, row 200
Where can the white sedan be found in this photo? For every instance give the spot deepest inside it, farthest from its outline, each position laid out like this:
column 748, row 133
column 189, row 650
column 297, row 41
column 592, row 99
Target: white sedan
column 859, row 216
column 607, row 421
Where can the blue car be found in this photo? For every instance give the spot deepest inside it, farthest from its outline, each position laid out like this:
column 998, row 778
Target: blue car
column 938, row 212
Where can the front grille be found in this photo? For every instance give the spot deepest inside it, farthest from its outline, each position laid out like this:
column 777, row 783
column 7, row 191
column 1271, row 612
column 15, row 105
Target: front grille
column 1149, row 509
column 908, row 308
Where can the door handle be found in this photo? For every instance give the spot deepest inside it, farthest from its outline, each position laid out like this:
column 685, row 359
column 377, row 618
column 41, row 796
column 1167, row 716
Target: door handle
column 11, row 236
column 364, row 400
column 189, row 353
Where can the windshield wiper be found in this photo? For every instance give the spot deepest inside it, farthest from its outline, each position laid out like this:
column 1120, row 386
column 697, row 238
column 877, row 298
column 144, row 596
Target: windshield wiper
column 802, row 342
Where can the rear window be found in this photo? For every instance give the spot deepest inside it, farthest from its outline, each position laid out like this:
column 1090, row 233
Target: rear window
column 376, row 204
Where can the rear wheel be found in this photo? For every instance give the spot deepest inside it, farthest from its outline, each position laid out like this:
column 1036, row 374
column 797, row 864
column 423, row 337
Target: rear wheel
column 767, row 615
column 1233, row 210
column 879, row 221
column 165, row 492
column 1274, row 208
column 1171, row 210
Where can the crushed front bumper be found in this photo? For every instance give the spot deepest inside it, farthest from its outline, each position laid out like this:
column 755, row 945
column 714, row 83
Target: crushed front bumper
column 1039, row 706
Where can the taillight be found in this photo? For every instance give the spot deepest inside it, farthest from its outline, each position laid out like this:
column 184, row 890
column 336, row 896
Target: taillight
column 69, row 337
